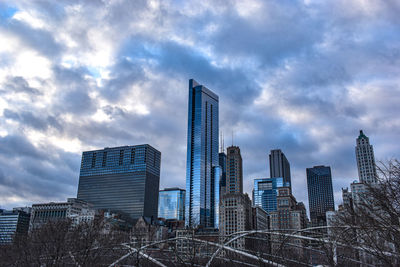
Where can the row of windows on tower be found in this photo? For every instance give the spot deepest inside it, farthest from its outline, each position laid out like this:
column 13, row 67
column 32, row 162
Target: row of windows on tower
column 132, row 159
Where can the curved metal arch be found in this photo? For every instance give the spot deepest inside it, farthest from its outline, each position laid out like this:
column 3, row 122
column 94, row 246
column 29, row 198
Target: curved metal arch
column 245, row 233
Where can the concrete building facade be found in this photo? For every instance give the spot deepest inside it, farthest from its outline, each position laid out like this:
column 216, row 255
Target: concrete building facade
column 235, row 216
column 234, row 170
column 75, row 209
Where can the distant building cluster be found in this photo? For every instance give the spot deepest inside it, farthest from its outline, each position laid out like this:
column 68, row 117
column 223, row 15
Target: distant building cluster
column 121, row 185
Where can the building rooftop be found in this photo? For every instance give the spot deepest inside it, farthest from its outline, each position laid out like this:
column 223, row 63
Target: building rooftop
column 172, row 189
column 362, row 135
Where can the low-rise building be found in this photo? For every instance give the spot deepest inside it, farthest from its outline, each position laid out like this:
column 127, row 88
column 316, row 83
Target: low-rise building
column 145, row 230
column 189, row 246
column 171, row 204
column 12, row 223
column 75, row 209
column 260, row 221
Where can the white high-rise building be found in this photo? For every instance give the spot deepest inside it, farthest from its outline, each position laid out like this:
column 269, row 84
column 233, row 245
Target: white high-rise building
column 365, row 159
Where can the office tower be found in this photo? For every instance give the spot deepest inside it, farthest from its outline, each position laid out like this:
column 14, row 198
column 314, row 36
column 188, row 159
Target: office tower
column 222, row 164
column 122, row 179
column 279, row 166
column 235, row 207
column 365, row 159
column 202, row 170
column 265, row 192
column 235, row 217
column 75, row 209
column 234, row 170
column 320, row 193
column 290, row 215
column 171, row 204
column 12, row 223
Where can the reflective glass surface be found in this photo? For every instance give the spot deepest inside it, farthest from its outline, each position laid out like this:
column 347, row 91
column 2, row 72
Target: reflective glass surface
column 171, row 204
column 11, row 223
column 217, row 174
column 122, row 179
column 320, row 193
column 266, row 191
column 202, row 156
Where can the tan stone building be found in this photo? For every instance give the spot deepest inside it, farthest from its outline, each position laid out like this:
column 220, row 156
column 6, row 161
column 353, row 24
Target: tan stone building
column 235, row 216
column 290, row 216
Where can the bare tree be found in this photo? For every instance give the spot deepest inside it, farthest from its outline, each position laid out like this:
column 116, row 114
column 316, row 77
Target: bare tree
column 370, row 228
column 61, row 243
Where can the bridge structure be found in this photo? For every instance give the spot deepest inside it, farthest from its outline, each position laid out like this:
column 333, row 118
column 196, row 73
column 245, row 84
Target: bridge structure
column 306, row 247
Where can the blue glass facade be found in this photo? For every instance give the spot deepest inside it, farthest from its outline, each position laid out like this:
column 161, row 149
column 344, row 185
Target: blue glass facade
column 216, row 174
column 11, row 224
column 171, row 204
column 202, row 169
column 122, row 179
column 266, row 191
column 320, row 193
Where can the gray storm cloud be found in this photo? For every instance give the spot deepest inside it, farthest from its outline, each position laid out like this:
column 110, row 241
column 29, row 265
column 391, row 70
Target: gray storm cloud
column 303, row 76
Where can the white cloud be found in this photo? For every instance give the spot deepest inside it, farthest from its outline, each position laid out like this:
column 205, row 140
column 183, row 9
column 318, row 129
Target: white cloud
column 304, row 77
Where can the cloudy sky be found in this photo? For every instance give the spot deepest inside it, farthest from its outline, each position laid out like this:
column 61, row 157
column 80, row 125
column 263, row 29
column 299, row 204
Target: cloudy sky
column 303, row 76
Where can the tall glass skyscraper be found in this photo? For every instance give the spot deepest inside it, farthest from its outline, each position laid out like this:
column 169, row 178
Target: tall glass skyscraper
column 171, row 204
column 265, row 192
column 320, row 193
column 202, row 169
column 122, row 179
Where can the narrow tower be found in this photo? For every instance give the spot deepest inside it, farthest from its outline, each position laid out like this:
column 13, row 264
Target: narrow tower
column 202, row 169
column 234, row 170
column 365, row 159
column 279, row 166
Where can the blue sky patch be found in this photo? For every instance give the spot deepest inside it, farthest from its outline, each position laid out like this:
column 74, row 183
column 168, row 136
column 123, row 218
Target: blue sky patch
column 6, row 12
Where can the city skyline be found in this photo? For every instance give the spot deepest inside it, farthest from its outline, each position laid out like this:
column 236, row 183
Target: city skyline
column 286, row 81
